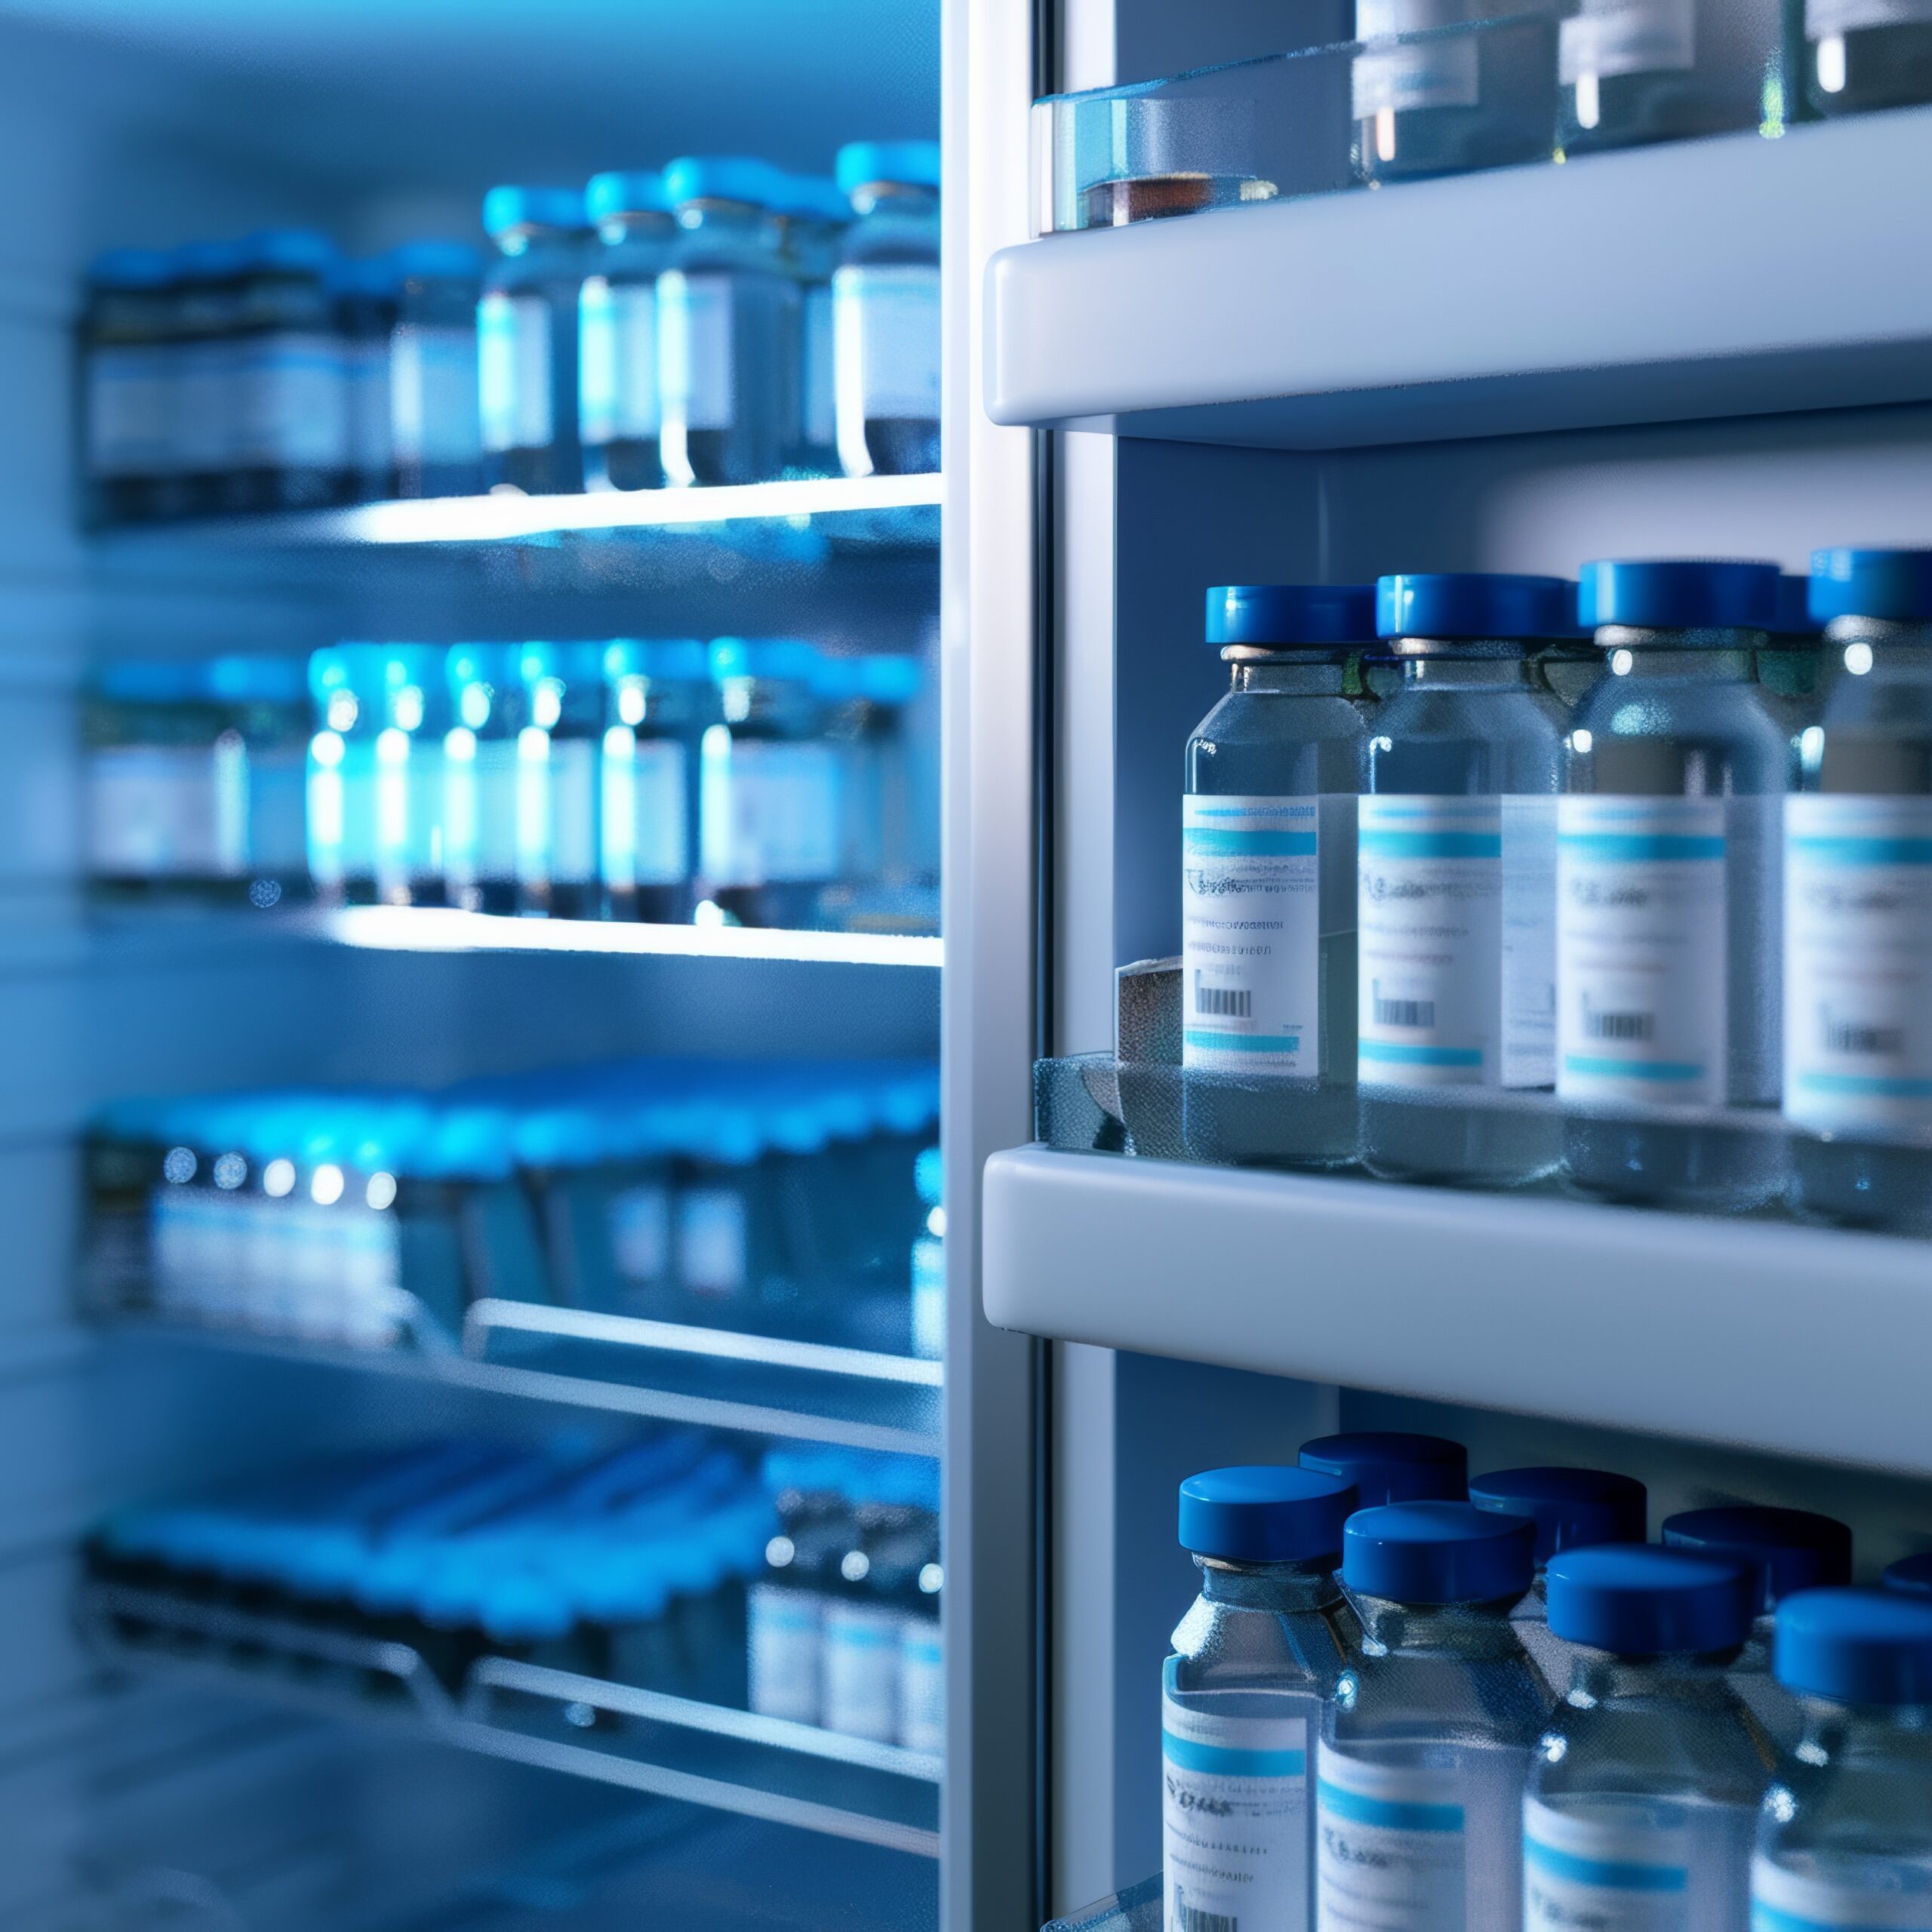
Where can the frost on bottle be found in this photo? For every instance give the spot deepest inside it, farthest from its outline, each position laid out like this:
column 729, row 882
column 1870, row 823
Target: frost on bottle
column 1457, row 869
column 1242, row 1696
column 1845, row 1839
column 1858, row 904
column 1268, row 882
column 1643, row 1797
column 1426, row 1742
column 1668, row 888
column 885, row 310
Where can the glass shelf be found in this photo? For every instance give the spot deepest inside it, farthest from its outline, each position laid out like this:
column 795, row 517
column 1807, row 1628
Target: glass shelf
column 1136, row 1909
column 647, row 1741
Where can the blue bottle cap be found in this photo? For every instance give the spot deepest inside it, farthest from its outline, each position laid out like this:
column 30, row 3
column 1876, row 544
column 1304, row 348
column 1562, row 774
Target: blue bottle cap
column 813, row 198
column 435, row 261
column 781, row 659
column 1265, row 1513
column 1391, row 1466
column 723, row 178
column 146, row 681
column 1290, row 616
column 1794, row 618
column 1679, row 594
column 910, row 163
column 256, row 680
column 622, row 191
column 1855, row 1646
column 1438, row 1552
column 1894, row 585
column 1643, row 1601
column 506, row 209
column 1791, row 1550
column 131, row 268
column 929, row 1177
column 1474, row 604
column 290, row 251
column 210, row 261
column 1913, row 1574
column 1572, row 1509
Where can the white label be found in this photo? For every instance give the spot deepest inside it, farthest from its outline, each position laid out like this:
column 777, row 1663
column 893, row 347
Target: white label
column 1250, row 935
column 1858, row 964
column 921, row 1684
column 1641, row 951
column 1826, row 17
column 712, row 1241
column 1626, row 37
column 573, row 764
column 694, row 347
column 371, row 448
column 1786, row 1901
column 513, row 370
column 819, row 386
column 861, row 1670
column 646, row 841
column 1607, row 1873
column 1234, row 1821
column 886, row 327
column 152, row 812
column 1389, row 1848
column 784, row 1636
column 205, row 403
column 617, row 360
column 770, row 810
column 641, row 1234
column 292, row 401
column 1457, row 923
column 432, row 395
column 126, row 411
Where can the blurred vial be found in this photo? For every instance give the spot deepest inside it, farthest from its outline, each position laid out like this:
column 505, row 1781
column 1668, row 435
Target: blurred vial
column 434, row 434
column 619, row 415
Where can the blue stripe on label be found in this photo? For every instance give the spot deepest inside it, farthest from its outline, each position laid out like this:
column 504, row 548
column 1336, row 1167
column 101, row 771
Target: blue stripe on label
column 1633, row 1069
column 1769, row 1918
column 1391, row 1815
column 1849, row 851
column 1432, row 845
column 1224, row 1761
column 1289, row 811
column 1865, row 1083
column 859, row 1637
column 1390, row 1050
column 1608, row 1875
column 1244, row 1043
column 1202, row 844
column 1638, row 847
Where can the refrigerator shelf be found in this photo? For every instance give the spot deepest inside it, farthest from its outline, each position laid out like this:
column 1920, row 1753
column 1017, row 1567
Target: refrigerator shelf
column 1446, row 308
column 888, row 512
column 710, row 1378
column 1791, row 1339
column 647, row 1741
column 1136, row 1909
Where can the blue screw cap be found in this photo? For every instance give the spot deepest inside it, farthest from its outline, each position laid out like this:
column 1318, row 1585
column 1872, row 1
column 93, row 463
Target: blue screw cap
column 1679, row 594
column 1893, row 585
column 507, row 208
column 1791, row 1549
column 1855, row 1646
column 1291, row 617
column 623, row 191
column 1437, row 1553
column 1572, row 1509
column 1641, row 1601
column 1264, row 1513
column 908, row 164
column 1474, row 604
column 1911, row 1573
column 1393, row 1466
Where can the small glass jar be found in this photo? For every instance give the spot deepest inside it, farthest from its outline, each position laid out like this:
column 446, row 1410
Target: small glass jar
column 206, row 416
column 619, row 415
column 291, row 395
column 1863, row 54
column 659, row 698
column 126, row 362
column 434, row 430
column 366, row 295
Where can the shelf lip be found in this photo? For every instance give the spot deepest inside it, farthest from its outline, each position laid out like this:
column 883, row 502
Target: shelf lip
column 1319, row 335
column 1765, row 1335
column 507, row 517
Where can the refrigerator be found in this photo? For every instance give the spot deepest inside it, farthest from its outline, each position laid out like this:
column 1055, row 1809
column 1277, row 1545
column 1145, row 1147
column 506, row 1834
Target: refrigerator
column 190, row 1742
column 1189, row 346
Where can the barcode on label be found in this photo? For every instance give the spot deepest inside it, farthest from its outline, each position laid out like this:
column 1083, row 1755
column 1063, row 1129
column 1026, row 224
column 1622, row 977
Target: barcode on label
column 1404, row 1012
column 1192, row 1918
column 1618, row 1026
column 1223, row 1002
column 1855, row 1036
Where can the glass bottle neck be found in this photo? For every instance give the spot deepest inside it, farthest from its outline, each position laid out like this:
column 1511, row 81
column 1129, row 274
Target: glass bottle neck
column 1472, row 667
column 1692, row 1682
column 1475, row 1630
column 1691, row 656
column 1854, row 1734
column 1282, row 673
column 1280, row 1587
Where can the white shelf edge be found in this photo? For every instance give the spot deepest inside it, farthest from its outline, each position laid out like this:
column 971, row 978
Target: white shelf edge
column 1788, row 1340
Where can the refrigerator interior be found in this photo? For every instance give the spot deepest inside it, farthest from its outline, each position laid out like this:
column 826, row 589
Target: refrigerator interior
column 159, row 1799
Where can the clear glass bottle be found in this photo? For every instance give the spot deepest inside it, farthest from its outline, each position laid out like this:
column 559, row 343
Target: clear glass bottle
column 885, row 303
column 1669, row 884
column 559, row 785
column 291, row 394
column 1457, row 1059
column 727, row 318
column 411, row 792
column 489, row 706
column 366, row 299
column 1845, row 1839
column 1643, row 1796
column 433, row 422
column 1426, row 1743
column 1470, row 94
column 526, row 339
column 205, row 418
column 659, row 699
column 265, row 703
column 1791, row 670
column 1858, row 904
column 1391, row 1465
column 345, row 683
column 1863, row 54
column 619, row 415
column 1787, row 1550
column 1272, row 774
column 1241, row 1696
column 1634, row 71
column 126, row 360
column 815, row 216
column 786, row 1607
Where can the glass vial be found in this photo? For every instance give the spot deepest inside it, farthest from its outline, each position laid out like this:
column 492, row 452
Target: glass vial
column 619, row 415
column 434, row 429
column 814, row 216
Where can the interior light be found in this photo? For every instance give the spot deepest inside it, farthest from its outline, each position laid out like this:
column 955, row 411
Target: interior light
column 279, row 1179
column 325, row 1185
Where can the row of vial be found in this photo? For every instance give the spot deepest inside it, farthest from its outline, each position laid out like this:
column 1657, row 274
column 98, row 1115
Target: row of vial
column 763, row 781
column 1506, row 1711
column 629, row 1565
column 720, row 322
column 798, row 1198
column 1672, row 936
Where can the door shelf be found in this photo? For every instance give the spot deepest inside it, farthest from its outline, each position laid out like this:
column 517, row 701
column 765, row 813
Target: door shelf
column 1791, row 1339
column 712, row 1378
column 645, row 1740
column 1735, row 275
